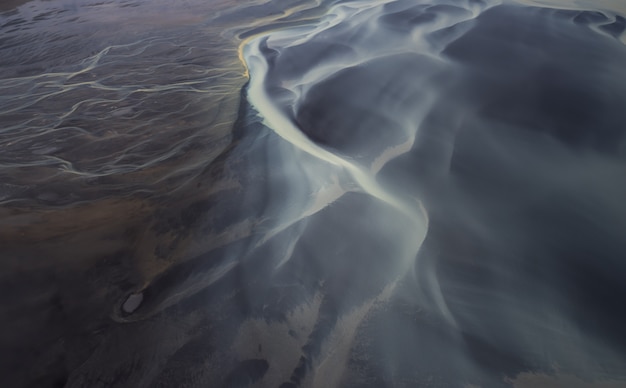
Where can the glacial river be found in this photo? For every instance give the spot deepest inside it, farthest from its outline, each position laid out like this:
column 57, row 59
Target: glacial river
column 391, row 193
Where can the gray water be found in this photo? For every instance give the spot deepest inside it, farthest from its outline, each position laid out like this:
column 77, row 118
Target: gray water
column 315, row 194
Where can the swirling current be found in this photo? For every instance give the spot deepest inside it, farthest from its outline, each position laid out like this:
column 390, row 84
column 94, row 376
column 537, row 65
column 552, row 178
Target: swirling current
column 364, row 193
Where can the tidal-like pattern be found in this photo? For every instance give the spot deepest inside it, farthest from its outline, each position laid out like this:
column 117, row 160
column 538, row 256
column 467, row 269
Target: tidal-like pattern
column 389, row 193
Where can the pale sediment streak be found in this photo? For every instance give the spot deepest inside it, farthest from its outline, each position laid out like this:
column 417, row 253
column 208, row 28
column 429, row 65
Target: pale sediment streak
column 282, row 125
column 328, row 174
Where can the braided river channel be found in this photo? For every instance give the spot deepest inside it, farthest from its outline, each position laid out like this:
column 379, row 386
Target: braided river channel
column 298, row 193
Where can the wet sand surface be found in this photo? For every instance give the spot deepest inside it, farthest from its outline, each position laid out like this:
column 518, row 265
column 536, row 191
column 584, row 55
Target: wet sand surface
column 312, row 194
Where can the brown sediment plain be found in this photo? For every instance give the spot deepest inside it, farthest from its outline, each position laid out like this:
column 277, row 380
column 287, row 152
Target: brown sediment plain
column 110, row 172
column 116, row 118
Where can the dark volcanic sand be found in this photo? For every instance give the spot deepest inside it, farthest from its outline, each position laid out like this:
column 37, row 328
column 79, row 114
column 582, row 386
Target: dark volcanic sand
column 291, row 194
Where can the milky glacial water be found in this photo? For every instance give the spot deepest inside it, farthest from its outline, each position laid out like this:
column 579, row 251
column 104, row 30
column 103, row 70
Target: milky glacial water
column 317, row 194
